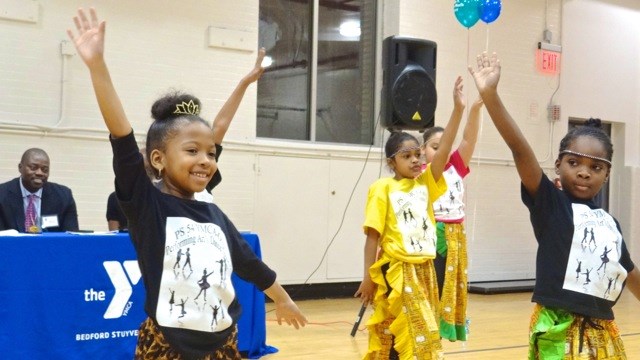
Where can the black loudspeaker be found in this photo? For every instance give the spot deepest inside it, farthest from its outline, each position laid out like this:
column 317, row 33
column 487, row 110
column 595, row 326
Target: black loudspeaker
column 409, row 83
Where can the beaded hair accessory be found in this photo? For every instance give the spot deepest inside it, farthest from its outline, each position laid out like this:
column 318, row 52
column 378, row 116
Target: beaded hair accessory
column 187, row 108
column 404, row 150
column 585, row 155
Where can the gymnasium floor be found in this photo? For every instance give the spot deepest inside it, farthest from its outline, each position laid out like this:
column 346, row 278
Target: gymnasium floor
column 498, row 329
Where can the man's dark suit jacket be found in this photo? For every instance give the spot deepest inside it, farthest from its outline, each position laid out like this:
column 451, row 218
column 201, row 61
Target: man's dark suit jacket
column 56, row 200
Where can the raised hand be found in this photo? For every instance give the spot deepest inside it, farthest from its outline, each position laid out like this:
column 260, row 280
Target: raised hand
column 90, row 37
column 487, row 74
column 458, row 94
column 257, row 70
column 477, row 105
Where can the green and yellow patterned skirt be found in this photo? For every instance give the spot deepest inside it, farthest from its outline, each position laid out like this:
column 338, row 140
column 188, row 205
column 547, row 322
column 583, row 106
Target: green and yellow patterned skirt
column 556, row 334
column 452, row 246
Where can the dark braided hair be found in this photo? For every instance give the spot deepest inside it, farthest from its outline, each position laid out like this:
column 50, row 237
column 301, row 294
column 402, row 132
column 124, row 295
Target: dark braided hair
column 430, row 132
column 395, row 142
column 592, row 128
column 166, row 122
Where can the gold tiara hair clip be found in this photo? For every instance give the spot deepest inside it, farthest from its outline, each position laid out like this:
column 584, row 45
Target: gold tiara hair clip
column 187, row 108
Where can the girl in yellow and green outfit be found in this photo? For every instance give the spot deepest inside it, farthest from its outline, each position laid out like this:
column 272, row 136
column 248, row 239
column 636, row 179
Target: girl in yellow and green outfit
column 451, row 258
column 399, row 278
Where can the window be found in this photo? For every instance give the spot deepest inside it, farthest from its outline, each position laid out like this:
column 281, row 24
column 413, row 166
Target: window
column 320, row 84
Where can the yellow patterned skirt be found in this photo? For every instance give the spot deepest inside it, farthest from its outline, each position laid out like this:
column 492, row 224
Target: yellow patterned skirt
column 403, row 325
column 556, row 334
column 454, row 296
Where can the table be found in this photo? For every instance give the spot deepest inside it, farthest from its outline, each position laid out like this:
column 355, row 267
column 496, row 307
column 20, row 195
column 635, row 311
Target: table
column 59, row 300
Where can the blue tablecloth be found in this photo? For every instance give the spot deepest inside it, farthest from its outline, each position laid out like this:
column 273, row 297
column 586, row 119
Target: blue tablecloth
column 58, row 298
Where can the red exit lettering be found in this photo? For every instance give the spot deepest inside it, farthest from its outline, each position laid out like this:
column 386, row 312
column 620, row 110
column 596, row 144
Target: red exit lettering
column 548, row 62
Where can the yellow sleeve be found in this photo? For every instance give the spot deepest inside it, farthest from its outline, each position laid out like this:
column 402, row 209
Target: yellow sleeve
column 376, row 209
column 435, row 188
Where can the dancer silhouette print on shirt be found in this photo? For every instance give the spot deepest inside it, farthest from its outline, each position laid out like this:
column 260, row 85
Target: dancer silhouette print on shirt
column 221, row 309
column 608, row 291
column 425, row 226
column 414, row 243
column 171, row 300
column 214, row 320
column 605, row 259
column 187, row 261
column 584, row 238
column 458, row 185
column 578, row 269
column 204, row 284
column 178, row 256
column 411, row 218
column 410, row 210
column 184, row 300
column 425, row 231
column 587, row 280
column 183, row 312
column 452, row 198
column 223, row 271
column 596, row 248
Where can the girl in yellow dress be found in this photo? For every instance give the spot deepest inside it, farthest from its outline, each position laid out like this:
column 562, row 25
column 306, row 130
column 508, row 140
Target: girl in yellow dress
column 399, row 278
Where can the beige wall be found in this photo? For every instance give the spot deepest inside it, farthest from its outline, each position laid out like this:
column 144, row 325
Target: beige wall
column 154, row 45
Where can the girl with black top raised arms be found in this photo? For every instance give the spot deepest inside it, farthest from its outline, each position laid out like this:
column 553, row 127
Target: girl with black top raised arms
column 163, row 221
column 578, row 279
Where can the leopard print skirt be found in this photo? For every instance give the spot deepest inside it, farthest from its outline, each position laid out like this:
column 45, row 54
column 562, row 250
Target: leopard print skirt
column 153, row 346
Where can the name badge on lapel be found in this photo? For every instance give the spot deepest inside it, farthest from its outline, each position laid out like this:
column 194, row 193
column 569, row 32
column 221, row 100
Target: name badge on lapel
column 49, row 221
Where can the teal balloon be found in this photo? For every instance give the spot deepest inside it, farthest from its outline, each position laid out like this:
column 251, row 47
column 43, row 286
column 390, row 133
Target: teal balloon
column 467, row 12
column 490, row 10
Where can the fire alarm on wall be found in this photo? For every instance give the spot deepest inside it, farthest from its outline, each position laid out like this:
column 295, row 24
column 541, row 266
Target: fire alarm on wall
column 553, row 112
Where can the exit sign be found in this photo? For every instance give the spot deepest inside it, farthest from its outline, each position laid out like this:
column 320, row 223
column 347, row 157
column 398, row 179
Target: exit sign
column 548, row 62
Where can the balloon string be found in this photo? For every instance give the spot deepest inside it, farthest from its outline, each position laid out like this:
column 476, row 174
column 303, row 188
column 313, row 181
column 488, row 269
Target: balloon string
column 471, row 240
column 486, row 44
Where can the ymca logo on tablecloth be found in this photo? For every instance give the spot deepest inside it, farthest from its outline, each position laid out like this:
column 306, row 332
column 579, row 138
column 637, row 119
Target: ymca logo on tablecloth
column 123, row 277
column 122, row 285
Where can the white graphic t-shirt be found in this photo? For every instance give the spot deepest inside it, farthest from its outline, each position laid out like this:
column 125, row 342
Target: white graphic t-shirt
column 593, row 266
column 417, row 231
column 196, row 288
column 449, row 207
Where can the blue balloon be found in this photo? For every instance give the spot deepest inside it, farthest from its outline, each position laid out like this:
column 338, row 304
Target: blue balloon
column 467, row 12
column 489, row 10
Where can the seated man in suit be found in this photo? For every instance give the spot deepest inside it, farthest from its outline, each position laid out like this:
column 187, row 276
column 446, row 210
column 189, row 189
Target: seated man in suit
column 31, row 204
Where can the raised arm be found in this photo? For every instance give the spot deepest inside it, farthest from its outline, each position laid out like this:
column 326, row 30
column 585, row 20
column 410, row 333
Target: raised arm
column 89, row 42
column 470, row 134
column 223, row 120
column 441, row 156
column 486, row 78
